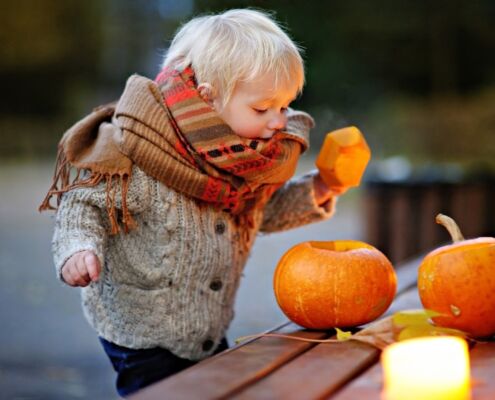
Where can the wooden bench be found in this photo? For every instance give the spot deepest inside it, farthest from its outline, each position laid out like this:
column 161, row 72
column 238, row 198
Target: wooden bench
column 276, row 368
column 400, row 216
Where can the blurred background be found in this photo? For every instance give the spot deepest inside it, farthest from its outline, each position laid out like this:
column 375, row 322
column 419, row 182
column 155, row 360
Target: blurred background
column 417, row 77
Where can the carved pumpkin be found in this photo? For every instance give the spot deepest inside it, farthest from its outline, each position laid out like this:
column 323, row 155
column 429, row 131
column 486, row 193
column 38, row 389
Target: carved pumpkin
column 322, row 285
column 343, row 157
column 458, row 281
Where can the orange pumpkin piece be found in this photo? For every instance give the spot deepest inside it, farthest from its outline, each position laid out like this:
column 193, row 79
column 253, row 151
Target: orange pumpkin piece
column 322, row 285
column 458, row 281
column 343, row 158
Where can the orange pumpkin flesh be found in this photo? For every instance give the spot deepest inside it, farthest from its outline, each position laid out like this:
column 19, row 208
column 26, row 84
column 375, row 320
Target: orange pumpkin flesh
column 343, row 157
column 322, row 285
column 458, row 281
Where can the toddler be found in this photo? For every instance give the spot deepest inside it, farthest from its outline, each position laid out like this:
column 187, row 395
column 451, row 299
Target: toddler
column 173, row 183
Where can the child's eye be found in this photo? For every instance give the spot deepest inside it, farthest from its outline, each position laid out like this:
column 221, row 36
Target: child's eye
column 259, row 110
column 284, row 109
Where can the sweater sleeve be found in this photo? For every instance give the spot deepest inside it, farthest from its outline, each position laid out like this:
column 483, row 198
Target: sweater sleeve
column 81, row 222
column 294, row 205
column 299, row 123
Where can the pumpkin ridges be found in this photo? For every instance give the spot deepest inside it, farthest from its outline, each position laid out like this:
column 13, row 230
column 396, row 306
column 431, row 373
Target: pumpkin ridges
column 382, row 285
column 283, row 275
column 463, row 285
column 317, row 288
column 279, row 271
column 357, row 286
column 458, row 246
column 468, row 309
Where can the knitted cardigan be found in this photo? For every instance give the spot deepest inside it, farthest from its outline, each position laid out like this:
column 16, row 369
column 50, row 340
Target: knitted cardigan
column 171, row 282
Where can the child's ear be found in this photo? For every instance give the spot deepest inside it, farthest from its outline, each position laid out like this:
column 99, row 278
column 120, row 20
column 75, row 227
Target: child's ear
column 207, row 93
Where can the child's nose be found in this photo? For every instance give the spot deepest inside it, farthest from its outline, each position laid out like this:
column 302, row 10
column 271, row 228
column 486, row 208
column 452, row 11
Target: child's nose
column 277, row 122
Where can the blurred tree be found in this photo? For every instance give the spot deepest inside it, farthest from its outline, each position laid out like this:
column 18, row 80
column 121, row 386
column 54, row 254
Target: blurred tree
column 43, row 50
column 356, row 50
column 375, row 64
column 415, row 75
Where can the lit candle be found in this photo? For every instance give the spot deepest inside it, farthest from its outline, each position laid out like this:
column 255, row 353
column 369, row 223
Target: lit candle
column 432, row 368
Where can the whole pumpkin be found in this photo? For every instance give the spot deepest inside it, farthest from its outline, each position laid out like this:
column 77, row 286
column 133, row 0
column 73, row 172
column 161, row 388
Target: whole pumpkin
column 458, row 281
column 322, row 285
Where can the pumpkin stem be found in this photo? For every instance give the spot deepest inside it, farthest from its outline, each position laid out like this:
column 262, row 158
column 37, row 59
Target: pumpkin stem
column 451, row 226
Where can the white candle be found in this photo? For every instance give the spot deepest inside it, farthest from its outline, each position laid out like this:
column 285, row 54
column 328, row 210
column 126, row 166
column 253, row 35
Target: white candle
column 431, row 368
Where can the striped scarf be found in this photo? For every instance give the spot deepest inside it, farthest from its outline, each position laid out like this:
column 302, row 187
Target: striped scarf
column 173, row 135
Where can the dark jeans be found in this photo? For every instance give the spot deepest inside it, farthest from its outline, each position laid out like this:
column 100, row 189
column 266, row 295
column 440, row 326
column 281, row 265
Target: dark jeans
column 139, row 368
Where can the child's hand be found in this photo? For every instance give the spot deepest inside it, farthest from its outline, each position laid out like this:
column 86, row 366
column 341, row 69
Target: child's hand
column 323, row 192
column 81, row 269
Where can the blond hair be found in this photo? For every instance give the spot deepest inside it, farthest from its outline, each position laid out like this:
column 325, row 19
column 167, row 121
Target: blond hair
column 237, row 45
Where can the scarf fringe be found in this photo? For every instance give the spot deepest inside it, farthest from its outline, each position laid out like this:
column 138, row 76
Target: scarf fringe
column 233, row 174
column 61, row 183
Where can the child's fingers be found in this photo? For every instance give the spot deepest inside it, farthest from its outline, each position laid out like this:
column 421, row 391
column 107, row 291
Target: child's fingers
column 81, row 270
column 67, row 276
column 80, row 280
column 71, row 274
column 72, row 277
column 92, row 265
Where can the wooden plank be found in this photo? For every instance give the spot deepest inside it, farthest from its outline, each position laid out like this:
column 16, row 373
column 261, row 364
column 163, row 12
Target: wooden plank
column 472, row 216
column 327, row 367
column 430, row 204
column 467, row 208
column 401, row 235
column 368, row 386
column 314, row 374
column 228, row 372
column 234, row 370
column 483, row 371
column 375, row 226
column 482, row 356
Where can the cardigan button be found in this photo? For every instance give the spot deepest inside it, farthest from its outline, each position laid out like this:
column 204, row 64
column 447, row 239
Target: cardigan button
column 219, row 227
column 216, row 285
column 207, row 345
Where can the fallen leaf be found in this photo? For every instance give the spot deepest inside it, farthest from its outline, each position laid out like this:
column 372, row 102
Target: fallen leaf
column 343, row 335
column 414, row 317
column 418, row 323
column 379, row 334
column 402, row 325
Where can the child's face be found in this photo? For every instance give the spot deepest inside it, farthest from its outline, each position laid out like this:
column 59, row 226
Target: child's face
column 256, row 109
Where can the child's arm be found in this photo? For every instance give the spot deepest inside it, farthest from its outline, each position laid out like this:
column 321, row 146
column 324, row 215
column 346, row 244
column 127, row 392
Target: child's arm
column 341, row 164
column 82, row 228
column 303, row 200
column 323, row 193
column 298, row 203
column 79, row 231
column 81, row 269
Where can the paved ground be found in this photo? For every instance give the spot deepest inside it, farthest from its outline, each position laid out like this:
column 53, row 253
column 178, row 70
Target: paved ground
column 47, row 350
